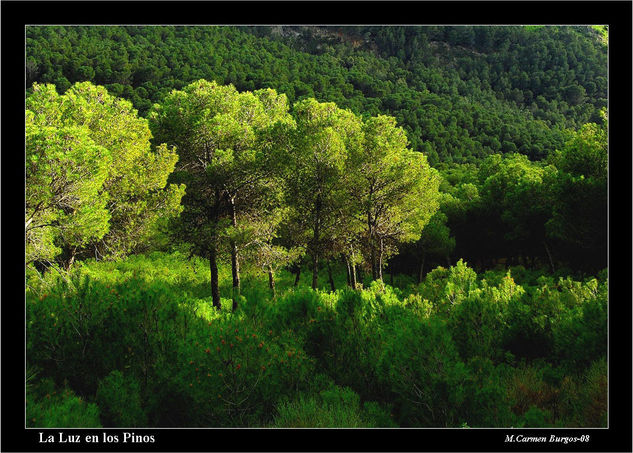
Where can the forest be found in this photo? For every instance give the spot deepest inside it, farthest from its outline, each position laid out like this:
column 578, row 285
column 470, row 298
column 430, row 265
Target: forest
column 316, row 226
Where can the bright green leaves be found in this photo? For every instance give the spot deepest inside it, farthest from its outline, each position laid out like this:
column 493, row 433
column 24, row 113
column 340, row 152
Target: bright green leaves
column 65, row 173
column 585, row 153
column 244, row 159
column 215, row 126
column 354, row 180
column 579, row 217
column 318, row 177
column 89, row 158
column 229, row 145
column 520, row 190
column 395, row 189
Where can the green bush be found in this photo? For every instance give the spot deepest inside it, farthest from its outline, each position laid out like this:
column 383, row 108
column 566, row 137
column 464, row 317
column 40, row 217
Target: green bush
column 141, row 338
column 475, row 322
column 119, row 399
column 417, row 365
column 583, row 399
column 580, row 335
column 333, row 408
column 49, row 407
column 528, row 392
column 84, row 333
column 233, row 371
column 534, row 418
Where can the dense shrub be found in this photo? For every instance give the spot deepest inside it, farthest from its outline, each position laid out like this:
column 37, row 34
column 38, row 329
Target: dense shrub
column 233, row 371
column 333, row 408
column 580, row 335
column 119, row 399
column 530, row 395
column 583, row 399
column 418, row 364
column 149, row 348
column 47, row 406
column 82, row 334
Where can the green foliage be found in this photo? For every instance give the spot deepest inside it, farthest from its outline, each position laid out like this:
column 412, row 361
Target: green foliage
column 459, row 92
column 580, row 334
column 534, row 418
column 140, row 338
column 396, row 190
column 93, row 180
column 332, row 408
column 593, row 400
column 229, row 145
column 119, row 400
column 513, row 211
column 317, row 176
column 82, row 334
column 417, row 365
column 65, row 172
column 234, row 371
column 48, row 406
column 314, row 145
column 579, row 217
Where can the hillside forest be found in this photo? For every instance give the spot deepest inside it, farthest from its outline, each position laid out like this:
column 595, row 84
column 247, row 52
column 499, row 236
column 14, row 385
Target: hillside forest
column 290, row 226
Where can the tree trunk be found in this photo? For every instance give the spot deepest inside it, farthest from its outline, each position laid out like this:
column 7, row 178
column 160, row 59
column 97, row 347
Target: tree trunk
column 298, row 274
column 421, row 274
column 271, row 280
column 330, row 277
column 549, row 255
column 352, row 267
column 213, row 259
column 315, row 270
column 235, row 263
column 348, row 275
column 380, row 262
column 315, row 244
column 374, row 273
column 354, row 279
column 71, row 259
column 372, row 247
column 215, row 291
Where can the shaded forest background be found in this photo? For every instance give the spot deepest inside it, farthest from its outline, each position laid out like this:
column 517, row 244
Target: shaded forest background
column 462, row 94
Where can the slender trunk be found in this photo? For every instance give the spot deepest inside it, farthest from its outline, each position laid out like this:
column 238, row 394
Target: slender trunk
column 372, row 247
column 213, row 259
column 352, row 266
column 374, row 273
column 298, row 274
column 448, row 260
column 374, row 268
column 315, row 270
column 316, row 244
column 380, row 261
column 354, row 279
column 549, row 255
column 271, row 280
column 348, row 271
column 330, row 277
column 421, row 274
column 71, row 259
column 215, row 291
column 235, row 263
